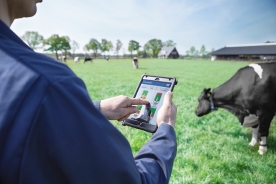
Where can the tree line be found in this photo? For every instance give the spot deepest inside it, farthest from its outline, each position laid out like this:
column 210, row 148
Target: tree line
column 64, row 45
column 202, row 53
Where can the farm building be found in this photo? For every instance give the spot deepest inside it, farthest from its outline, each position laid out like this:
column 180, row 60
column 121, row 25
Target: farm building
column 168, row 52
column 265, row 52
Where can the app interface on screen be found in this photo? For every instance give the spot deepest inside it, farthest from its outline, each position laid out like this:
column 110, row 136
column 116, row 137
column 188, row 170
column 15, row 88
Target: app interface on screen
column 152, row 91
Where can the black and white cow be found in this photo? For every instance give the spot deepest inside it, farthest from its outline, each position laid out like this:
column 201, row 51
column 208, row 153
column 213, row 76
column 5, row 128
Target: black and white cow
column 250, row 95
column 86, row 59
column 135, row 63
column 62, row 59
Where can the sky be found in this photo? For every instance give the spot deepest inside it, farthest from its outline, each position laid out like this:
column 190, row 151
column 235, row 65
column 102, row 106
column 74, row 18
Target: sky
column 212, row 23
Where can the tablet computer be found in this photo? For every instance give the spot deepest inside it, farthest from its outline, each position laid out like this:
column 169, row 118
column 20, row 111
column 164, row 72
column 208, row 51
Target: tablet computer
column 151, row 88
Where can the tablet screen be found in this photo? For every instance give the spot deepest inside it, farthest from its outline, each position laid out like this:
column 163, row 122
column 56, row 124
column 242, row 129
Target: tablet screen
column 152, row 91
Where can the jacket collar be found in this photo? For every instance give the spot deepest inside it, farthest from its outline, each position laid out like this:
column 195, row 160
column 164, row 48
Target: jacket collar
column 7, row 33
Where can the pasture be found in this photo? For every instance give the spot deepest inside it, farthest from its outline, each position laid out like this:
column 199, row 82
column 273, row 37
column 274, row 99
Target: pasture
column 211, row 149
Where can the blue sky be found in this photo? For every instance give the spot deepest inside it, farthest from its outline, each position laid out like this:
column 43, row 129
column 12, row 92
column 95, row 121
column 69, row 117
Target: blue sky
column 213, row 23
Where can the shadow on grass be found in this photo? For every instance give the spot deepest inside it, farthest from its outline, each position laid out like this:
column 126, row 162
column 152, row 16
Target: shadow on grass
column 271, row 140
column 271, row 144
column 236, row 133
column 142, row 68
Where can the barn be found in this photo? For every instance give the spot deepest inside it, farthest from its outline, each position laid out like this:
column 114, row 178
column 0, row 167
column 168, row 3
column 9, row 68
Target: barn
column 168, row 52
column 258, row 52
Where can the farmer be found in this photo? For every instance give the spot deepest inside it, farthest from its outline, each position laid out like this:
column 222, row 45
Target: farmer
column 50, row 130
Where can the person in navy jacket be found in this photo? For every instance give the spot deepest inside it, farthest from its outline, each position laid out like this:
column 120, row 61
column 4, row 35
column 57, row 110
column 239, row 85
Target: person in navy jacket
column 51, row 131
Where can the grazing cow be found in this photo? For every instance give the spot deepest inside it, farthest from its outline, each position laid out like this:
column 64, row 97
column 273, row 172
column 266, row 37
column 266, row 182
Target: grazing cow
column 135, row 63
column 86, row 59
column 76, row 59
column 62, row 59
column 250, row 95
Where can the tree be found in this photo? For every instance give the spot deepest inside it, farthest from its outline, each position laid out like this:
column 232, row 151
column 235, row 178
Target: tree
column 169, row 43
column 109, row 46
column 187, row 53
column 33, row 39
column 196, row 54
column 153, row 47
column 93, row 45
column 192, row 51
column 118, row 47
column 209, row 53
column 74, row 47
column 203, row 52
column 86, row 48
column 65, row 42
column 104, row 46
column 142, row 54
column 56, row 43
column 133, row 46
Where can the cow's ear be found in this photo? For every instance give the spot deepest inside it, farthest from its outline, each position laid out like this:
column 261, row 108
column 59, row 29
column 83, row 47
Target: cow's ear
column 207, row 90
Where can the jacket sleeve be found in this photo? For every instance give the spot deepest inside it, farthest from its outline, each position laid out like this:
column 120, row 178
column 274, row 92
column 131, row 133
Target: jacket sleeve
column 97, row 104
column 155, row 159
column 70, row 141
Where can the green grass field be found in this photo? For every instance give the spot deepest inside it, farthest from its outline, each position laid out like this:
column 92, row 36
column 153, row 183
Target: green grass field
column 211, row 149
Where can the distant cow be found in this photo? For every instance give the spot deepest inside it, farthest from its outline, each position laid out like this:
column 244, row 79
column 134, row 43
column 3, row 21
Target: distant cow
column 250, row 95
column 62, row 58
column 135, row 63
column 86, row 59
column 76, row 59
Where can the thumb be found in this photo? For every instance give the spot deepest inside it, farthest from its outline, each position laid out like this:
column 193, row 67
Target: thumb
column 168, row 98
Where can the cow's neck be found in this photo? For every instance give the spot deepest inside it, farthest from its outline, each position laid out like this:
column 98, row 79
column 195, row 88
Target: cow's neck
column 226, row 96
column 223, row 95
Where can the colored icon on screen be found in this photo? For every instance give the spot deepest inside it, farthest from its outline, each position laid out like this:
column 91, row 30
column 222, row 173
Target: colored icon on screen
column 144, row 94
column 139, row 107
column 157, row 98
column 152, row 112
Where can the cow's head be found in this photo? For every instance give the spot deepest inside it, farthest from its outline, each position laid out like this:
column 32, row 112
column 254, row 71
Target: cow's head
column 204, row 104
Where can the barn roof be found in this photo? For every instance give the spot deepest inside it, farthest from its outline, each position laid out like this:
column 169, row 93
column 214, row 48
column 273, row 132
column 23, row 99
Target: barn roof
column 266, row 49
column 166, row 51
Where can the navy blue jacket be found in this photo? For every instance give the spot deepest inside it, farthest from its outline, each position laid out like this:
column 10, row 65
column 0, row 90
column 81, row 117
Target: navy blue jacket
column 50, row 131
